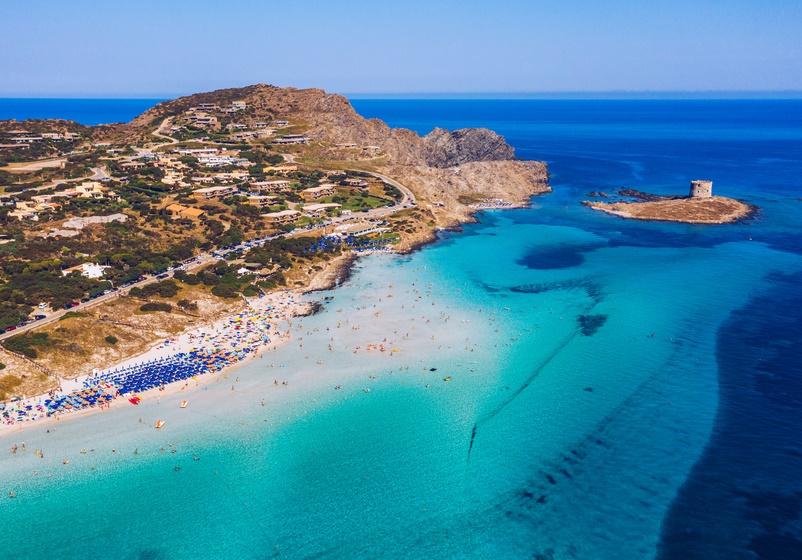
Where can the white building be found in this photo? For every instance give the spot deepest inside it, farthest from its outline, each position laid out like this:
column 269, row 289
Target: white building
column 89, row 270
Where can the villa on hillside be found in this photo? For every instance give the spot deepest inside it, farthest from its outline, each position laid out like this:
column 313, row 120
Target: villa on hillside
column 198, row 152
column 282, row 168
column 180, row 211
column 357, row 230
column 260, row 201
column 291, row 139
column 319, row 210
column 283, row 217
column 208, row 193
column 314, row 193
column 272, row 186
column 88, row 270
column 91, row 189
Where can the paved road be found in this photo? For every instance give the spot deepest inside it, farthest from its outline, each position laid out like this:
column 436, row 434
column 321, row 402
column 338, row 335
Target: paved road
column 98, row 173
column 36, row 165
column 158, row 133
column 53, row 316
column 205, row 258
column 409, row 197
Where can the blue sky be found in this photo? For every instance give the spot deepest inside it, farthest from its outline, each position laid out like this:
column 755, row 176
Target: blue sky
column 147, row 48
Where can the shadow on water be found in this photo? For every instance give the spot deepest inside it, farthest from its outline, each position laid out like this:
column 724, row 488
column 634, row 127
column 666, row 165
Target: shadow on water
column 548, row 257
column 743, row 499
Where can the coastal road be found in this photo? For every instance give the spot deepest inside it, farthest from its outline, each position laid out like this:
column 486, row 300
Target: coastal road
column 203, row 259
column 53, row 316
column 35, row 165
column 159, row 132
column 98, row 174
column 409, row 197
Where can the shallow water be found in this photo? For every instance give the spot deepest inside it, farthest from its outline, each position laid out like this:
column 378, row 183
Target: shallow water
column 590, row 361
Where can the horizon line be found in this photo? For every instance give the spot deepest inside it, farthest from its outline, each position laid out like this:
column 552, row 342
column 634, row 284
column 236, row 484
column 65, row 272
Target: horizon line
column 501, row 95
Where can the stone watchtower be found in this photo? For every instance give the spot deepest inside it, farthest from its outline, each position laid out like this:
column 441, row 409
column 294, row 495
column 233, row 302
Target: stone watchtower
column 701, row 189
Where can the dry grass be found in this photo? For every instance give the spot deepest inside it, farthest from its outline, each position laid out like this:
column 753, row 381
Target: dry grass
column 31, row 380
column 79, row 343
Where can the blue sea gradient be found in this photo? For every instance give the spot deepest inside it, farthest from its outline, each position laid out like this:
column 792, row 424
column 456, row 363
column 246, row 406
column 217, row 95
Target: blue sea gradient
column 88, row 112
column 617, row 389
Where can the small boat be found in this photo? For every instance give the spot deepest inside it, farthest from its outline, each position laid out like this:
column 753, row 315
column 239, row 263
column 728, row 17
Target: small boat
column 447, row 378
column 183, row 404
column 160, row 423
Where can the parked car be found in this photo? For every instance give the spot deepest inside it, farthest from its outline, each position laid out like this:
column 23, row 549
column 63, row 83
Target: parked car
column 39, row 317
column 11, row 328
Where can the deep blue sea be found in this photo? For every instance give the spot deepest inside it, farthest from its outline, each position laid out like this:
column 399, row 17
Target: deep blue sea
column 617, row 389
column 85, row 111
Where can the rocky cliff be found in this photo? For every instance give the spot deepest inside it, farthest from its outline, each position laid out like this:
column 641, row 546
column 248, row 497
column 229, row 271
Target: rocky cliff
column 448, row 149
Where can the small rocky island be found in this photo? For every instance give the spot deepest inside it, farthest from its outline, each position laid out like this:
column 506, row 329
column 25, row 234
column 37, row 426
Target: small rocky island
column 699, row 207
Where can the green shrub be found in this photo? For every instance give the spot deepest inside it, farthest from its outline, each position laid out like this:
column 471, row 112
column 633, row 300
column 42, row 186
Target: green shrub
column 188, row 305
column 7, row 383
column 224, row 291
column 71, row 314
column 24, row 344
column 165, row 289
column 251, row 290
column 111, row 339
column 166, row 307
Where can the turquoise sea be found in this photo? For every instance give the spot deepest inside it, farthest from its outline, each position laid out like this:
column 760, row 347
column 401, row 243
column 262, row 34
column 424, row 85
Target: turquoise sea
column 618, row 389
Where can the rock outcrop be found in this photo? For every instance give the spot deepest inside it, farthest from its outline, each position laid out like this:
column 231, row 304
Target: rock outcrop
column 448, row 149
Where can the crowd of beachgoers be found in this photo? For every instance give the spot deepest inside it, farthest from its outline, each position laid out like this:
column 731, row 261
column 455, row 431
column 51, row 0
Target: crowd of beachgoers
column 201, row 351
column 493, row 204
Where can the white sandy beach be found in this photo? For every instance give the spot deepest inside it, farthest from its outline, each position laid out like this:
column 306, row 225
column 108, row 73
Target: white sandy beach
column 272, row 313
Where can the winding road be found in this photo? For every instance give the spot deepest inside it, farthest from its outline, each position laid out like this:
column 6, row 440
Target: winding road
column 203, row 259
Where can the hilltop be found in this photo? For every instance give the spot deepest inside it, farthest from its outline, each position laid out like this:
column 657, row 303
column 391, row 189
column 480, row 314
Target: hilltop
column 442, row 167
